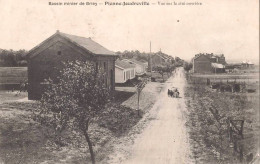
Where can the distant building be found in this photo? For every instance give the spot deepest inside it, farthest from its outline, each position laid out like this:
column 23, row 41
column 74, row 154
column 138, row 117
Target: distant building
column 45, row 60
column 160, row 59
column 208, row 63
column 218, row 68
column 124, row 71
column 140, row 68
column 216, row 58
column 201, row 64
column 247, row 64
column 221, row 59
column 145, row 63
column 229, row 68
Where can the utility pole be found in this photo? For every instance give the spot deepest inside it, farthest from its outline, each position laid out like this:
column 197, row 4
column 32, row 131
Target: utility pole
column 150, row 59
column 215, row 75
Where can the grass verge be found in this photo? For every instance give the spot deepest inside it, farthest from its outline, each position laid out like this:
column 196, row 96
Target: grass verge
column 208, row 128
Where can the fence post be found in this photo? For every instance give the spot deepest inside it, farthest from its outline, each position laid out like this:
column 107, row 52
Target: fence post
column 229, row 130
column 241, row 153
column 208, row 81
column 242, row 127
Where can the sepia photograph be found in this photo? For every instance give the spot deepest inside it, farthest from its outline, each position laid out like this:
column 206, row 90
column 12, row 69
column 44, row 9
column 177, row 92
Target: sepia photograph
column 129, row 82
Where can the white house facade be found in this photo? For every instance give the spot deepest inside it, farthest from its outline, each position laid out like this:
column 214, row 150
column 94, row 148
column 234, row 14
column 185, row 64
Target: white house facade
column 124, row 71
column 140, row 67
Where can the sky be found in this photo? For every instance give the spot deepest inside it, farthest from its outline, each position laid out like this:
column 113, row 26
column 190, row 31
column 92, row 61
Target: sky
column 229, row 27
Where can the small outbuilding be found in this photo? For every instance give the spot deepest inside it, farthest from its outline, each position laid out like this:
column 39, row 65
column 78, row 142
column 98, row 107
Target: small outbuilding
column 124, row 71
column 218, row 68
column 140, row 67
column 247, row 64
column 45, row 60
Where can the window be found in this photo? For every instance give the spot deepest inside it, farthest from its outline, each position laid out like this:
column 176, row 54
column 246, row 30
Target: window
column 59, row 53
column 104, row 65
column 97, row 66
column 128, row 75
column 111, row 77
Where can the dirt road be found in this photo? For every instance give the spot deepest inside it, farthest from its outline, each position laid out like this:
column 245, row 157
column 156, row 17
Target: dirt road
column 165, row 139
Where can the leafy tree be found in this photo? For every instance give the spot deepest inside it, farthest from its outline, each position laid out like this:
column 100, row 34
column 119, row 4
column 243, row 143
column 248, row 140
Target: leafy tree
column 22, row 63
column 173, row 61
column 161, row 70
column 179, row 62
column 177, row 59
column 133, row 54
column 187, row 66
column 76, row 98
column 169, row 69
column 10, row 58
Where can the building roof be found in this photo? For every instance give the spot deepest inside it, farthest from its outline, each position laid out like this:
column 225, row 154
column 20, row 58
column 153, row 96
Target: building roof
column 217, row 65
column 123, row 65
column 134, row 61
column 209, row 55
column 163, row 56
column 219, row 55
column 85, row 43
column 247, row 62
column 88, row 44
column 199, row 55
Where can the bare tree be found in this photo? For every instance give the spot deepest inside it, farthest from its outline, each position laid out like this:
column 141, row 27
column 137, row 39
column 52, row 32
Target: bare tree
column 139, row 88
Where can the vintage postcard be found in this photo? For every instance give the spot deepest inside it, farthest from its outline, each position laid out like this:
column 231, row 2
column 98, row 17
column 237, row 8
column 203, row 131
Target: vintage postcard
column 129, row 81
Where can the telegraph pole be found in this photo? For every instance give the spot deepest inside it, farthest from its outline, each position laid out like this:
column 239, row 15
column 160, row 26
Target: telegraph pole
column 150, row 60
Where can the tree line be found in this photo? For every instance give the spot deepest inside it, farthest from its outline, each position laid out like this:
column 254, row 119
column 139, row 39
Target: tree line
column 11, row 58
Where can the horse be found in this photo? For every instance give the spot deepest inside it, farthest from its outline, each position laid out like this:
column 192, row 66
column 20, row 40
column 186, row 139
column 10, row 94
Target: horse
column 170, row 93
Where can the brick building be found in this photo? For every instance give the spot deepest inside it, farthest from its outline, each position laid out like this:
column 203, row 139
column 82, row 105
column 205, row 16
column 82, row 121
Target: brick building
column 217, row 58
column 201, row 64
column 209, row 63
column 45, row 59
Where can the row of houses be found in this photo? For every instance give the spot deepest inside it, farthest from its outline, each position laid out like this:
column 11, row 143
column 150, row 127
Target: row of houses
column 45, row 60
column 246, row 64
column 127, row 69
